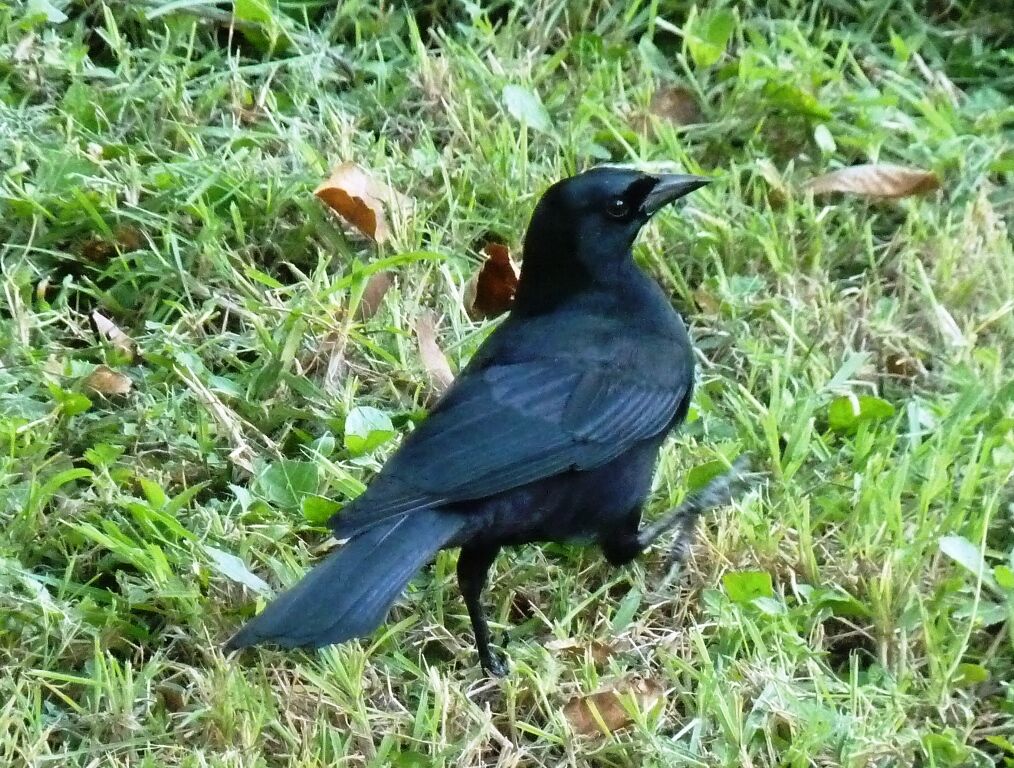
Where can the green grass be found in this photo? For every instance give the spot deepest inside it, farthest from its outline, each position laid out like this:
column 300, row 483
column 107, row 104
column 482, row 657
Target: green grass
column 159, row 169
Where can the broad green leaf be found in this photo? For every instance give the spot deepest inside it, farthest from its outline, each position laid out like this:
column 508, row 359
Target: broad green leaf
column 793, row 99
column 71, row 403
column 235, row 569
column 319, row 509
column 626, row 609
column 1004, row 577
column 968, row 556
column 707, row 36
column 255, row 12
column 285, row 483
column 847, row 412
column 769, row 606
column 525, row 106
column 825, row 141
column 265, row 22
column 945, row 749
column 702, row 474
column 366, row 429
column 45, row 10
column 103, row 454
column 971, row 674
column 840, row 603
column 747, row 586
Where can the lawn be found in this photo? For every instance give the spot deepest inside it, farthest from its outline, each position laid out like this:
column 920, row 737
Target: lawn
column 197, row 368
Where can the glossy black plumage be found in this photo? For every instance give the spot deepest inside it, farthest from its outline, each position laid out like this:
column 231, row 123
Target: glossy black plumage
column 551, row 432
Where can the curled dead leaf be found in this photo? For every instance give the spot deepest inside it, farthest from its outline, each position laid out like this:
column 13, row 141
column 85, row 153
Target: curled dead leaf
column 522, row 607
column 490, row 291
column 360, row 199
column 373, row 294
column 129, row 238
column 332, row 349
column 111, row 331
column 575, row 648
column 604, row 711
column 876, row 180
column 437, row 368
column 677, row 104
column 105, row 381
column 902, row 365
column 125, row 239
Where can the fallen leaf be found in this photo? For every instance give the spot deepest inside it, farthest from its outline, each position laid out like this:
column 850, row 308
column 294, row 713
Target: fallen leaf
column 677, row 104
column 522, row 607
column 111, row 331
column 97, row 250
column 360, row 199
column 490, row 292
column 876, row 180
column 902, row 365
column 129, row 238
column 604, row 710
column 106, row 381
column 374, row 292
column 575, row 648
column 125, row 239
column 437, row 368
column 172, row 697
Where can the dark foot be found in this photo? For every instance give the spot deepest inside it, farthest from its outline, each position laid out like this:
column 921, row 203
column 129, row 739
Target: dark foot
column 494, row 662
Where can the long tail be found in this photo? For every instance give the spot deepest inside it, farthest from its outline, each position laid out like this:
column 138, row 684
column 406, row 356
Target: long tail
column 349, row 593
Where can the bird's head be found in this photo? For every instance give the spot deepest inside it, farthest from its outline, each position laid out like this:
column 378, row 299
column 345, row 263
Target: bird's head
column 584, row 226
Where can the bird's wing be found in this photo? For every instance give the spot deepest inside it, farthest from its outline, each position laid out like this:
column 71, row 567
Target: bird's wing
column 508, row 425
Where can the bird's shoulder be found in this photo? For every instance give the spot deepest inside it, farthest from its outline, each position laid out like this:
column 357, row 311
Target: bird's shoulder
column 645, row 338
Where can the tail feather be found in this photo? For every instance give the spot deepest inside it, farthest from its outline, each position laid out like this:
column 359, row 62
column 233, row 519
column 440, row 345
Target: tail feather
column 349, row 593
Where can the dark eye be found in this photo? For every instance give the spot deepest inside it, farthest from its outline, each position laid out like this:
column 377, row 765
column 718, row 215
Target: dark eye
column 618, row 208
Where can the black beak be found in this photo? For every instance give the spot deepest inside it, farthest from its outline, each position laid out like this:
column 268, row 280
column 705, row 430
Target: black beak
column 670, row 187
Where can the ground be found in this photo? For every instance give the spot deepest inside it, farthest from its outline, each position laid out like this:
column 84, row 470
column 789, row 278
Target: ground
column 181, row 348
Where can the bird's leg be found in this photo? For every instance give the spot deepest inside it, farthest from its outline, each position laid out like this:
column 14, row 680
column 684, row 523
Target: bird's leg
column 716, row 493
column 473, row 568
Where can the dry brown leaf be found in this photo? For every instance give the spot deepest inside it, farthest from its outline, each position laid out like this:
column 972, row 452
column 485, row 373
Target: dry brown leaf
column 105, row 381
column 125, row 239
column 491, row 290
column 129, row 238
column 902, row 365
column 111, row 331
column 437, row 368
column 522, row 607
column 677, row 104
column 332, row 348
column 374, row 292
column 876, row 180
column 571, row 646
column 360, row 199
column 584, row 713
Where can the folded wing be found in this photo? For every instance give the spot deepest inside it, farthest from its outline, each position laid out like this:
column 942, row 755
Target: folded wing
column 508, row 425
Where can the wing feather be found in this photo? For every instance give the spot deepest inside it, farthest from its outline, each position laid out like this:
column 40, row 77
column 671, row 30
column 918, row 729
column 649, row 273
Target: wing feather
column 505, row 426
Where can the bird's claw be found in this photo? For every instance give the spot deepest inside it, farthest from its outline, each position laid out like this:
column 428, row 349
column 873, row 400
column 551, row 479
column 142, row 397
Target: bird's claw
column 495, row 663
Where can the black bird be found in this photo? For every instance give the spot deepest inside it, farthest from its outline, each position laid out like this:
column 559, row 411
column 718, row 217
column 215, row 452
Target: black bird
column 550, row 433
